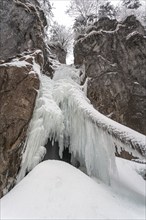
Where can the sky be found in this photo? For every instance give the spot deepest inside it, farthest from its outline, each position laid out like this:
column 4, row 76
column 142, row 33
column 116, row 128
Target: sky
column 60, row 16
column 59, row 8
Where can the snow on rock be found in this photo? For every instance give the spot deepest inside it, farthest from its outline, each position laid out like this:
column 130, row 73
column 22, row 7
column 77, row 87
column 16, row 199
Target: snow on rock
column 132, row 34
column 26, row 59
column 56, row 190
column 17, row 63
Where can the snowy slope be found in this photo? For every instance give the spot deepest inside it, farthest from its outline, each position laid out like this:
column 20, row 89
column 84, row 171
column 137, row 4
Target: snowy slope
column 56, row 190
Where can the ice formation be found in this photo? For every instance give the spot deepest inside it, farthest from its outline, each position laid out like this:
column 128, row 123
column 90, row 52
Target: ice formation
column 64, row 114
column 47, row 122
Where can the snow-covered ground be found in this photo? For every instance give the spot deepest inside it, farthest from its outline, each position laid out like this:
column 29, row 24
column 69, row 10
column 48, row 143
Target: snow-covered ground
column 57, row 190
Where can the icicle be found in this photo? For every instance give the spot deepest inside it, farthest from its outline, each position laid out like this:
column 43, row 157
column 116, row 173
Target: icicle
column 47, row 122
column 92, row 145
column 85, row 86
column 64, row 114
column 92, row 135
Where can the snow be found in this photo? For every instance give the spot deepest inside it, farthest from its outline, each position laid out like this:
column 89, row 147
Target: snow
column 132, row 34
column 136, row 83
column 67, row 72
column 139, row 12
column 130, row 182
column 16, row 62
column 64, row 114
column 57, row 190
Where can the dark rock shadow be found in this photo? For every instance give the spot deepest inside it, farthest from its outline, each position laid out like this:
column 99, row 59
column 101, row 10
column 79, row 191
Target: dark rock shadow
column 52, row 152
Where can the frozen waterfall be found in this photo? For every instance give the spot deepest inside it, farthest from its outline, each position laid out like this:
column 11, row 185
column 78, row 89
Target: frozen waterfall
column 64, row 114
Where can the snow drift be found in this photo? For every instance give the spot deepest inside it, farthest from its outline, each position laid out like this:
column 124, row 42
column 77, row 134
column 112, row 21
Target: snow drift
column 56, row 190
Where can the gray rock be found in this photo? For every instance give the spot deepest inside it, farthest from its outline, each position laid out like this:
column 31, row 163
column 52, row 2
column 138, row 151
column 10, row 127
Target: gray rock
column 114, row 56
column 22, row 29
column 59, row 52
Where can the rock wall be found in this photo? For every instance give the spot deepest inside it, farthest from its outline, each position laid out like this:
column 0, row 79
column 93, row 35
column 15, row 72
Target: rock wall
column 58, row 52
column 19, row 83
column 114, row 56
column 22, row 24
column 22, row 29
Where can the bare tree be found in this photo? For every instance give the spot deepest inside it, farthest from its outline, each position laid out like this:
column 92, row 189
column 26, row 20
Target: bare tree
column 61, row 36
column 107, row 9
column 132, row 7
column 131, row 4
column 83, row 8
column 86, row 12
column 47, row 9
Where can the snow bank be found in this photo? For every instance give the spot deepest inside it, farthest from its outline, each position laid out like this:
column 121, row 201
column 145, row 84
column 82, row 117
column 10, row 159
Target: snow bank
column 56, row 190
column 130, row 182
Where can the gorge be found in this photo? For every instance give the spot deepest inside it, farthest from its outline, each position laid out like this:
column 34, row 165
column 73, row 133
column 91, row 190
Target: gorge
column 87, row 113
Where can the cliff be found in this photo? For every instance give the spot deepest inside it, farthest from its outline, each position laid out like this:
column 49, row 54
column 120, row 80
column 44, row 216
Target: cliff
column 22, row 29
column 114, row 57
column 24, row 55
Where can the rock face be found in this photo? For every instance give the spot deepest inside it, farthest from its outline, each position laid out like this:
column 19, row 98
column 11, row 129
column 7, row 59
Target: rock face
column 19, row 83
column 23, row 56
column 22, row 29
column 59, row 52
column 114, row 56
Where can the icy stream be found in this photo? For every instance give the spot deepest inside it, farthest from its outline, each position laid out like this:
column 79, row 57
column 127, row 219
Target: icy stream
column 64, row 114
